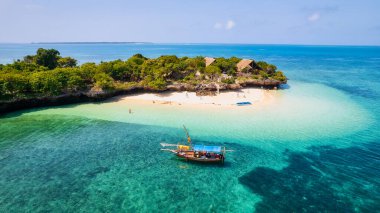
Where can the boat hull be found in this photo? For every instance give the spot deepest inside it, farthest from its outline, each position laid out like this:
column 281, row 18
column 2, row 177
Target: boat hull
column 202, row 160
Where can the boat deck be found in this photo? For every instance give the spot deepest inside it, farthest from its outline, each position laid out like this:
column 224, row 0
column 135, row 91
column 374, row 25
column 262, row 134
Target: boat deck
column 191, row 157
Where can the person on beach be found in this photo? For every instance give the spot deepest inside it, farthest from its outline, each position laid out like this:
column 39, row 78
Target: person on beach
column 130, row 111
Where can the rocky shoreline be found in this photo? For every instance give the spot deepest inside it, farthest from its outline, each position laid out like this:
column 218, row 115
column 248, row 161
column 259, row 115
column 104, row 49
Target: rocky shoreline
column 101, row 95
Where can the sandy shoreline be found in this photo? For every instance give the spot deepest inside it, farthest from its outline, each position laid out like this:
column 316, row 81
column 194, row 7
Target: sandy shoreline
column 229, row 98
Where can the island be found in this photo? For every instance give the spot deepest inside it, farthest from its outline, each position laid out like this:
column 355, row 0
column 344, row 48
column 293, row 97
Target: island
column 48, row 79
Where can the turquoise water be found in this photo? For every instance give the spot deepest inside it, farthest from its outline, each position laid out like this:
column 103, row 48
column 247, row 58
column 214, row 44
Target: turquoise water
column 316, row 148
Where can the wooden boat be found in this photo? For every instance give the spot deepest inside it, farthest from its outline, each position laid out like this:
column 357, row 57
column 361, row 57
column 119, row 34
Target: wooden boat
column 197, row 152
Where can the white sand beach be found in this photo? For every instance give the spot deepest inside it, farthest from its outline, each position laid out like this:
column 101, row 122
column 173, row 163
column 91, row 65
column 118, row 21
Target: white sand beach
column 228, row 98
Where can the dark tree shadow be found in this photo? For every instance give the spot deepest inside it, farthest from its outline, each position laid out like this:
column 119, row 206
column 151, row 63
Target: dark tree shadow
column 325, row 179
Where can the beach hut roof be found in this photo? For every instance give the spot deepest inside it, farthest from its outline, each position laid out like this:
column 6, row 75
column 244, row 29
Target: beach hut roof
column 209, row 61
column 244, row 63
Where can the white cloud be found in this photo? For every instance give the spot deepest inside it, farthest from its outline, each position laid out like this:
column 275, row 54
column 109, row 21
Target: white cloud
column 230, row 24
column 218, row 25
column 227, row 26
column 314, row 17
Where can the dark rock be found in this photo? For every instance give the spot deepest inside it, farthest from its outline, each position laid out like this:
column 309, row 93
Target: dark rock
column 205, row 93
column 71, row 98
column 234, row 86
column 181, row 87
column 207, row 87
column 268, row 83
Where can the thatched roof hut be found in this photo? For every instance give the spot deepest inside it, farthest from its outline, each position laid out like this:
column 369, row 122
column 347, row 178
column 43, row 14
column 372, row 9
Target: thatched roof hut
column 209, row 61
column 244, row 64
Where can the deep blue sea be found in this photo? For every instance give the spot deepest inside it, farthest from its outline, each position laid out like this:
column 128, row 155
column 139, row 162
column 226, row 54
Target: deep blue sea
column 316, row 150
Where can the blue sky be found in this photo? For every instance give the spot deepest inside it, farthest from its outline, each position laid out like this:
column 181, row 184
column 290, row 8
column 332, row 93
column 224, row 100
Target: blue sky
column 355, row 22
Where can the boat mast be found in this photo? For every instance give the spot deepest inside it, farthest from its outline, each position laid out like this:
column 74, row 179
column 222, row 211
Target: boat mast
column 187, row 135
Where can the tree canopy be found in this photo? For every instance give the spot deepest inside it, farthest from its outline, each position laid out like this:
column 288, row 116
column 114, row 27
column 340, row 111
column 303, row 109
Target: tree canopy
column 49, row 74
column 47, row 58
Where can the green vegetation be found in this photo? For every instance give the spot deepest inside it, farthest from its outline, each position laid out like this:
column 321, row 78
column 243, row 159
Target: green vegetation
column 227, row 66
column 48, row 74
column 213, row 71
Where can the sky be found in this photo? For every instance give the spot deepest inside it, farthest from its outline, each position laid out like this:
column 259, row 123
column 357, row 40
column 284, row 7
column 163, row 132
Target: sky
column 323, row 22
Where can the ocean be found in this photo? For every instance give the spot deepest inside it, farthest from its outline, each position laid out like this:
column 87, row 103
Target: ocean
column 317, row 149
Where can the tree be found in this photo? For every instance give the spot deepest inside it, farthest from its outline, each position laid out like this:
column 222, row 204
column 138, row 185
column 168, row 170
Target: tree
column 158, row 83
column 212, row 71
column 29, row 59
column 138, row 59
column 268, row 68
column 67, row 62
column 45, row 83
column 226, row 65
column 22, row 66
column 195, row 64
column 75, row 83
column 134, row 65
column 263, row 74
column 120, row 70
column 87, row 72
column 13, row 84
column 103, row 81
column 279, row 76
column 105, row 67
column 235, row 60
column 46, row 73
column 47, row 58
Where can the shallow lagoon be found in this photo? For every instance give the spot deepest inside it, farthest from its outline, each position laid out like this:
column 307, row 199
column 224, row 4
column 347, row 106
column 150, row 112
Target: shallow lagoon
column 315, row 148
column 313, row 111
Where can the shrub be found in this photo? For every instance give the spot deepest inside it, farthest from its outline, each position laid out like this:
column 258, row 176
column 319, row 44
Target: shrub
column 103, row 81
column 213, row 71
column 75, row 83
column 228, row 80
column 13, row 84
column 157, row 84
column 279, row 76
column 45, row 83
column 67, row 62
column 263, row 74
column 268, row 68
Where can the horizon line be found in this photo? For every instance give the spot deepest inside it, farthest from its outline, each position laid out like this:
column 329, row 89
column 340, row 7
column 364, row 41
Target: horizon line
column 189, row 43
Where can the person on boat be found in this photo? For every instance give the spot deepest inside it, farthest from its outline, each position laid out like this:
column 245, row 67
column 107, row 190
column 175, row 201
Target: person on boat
column 208, row 155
